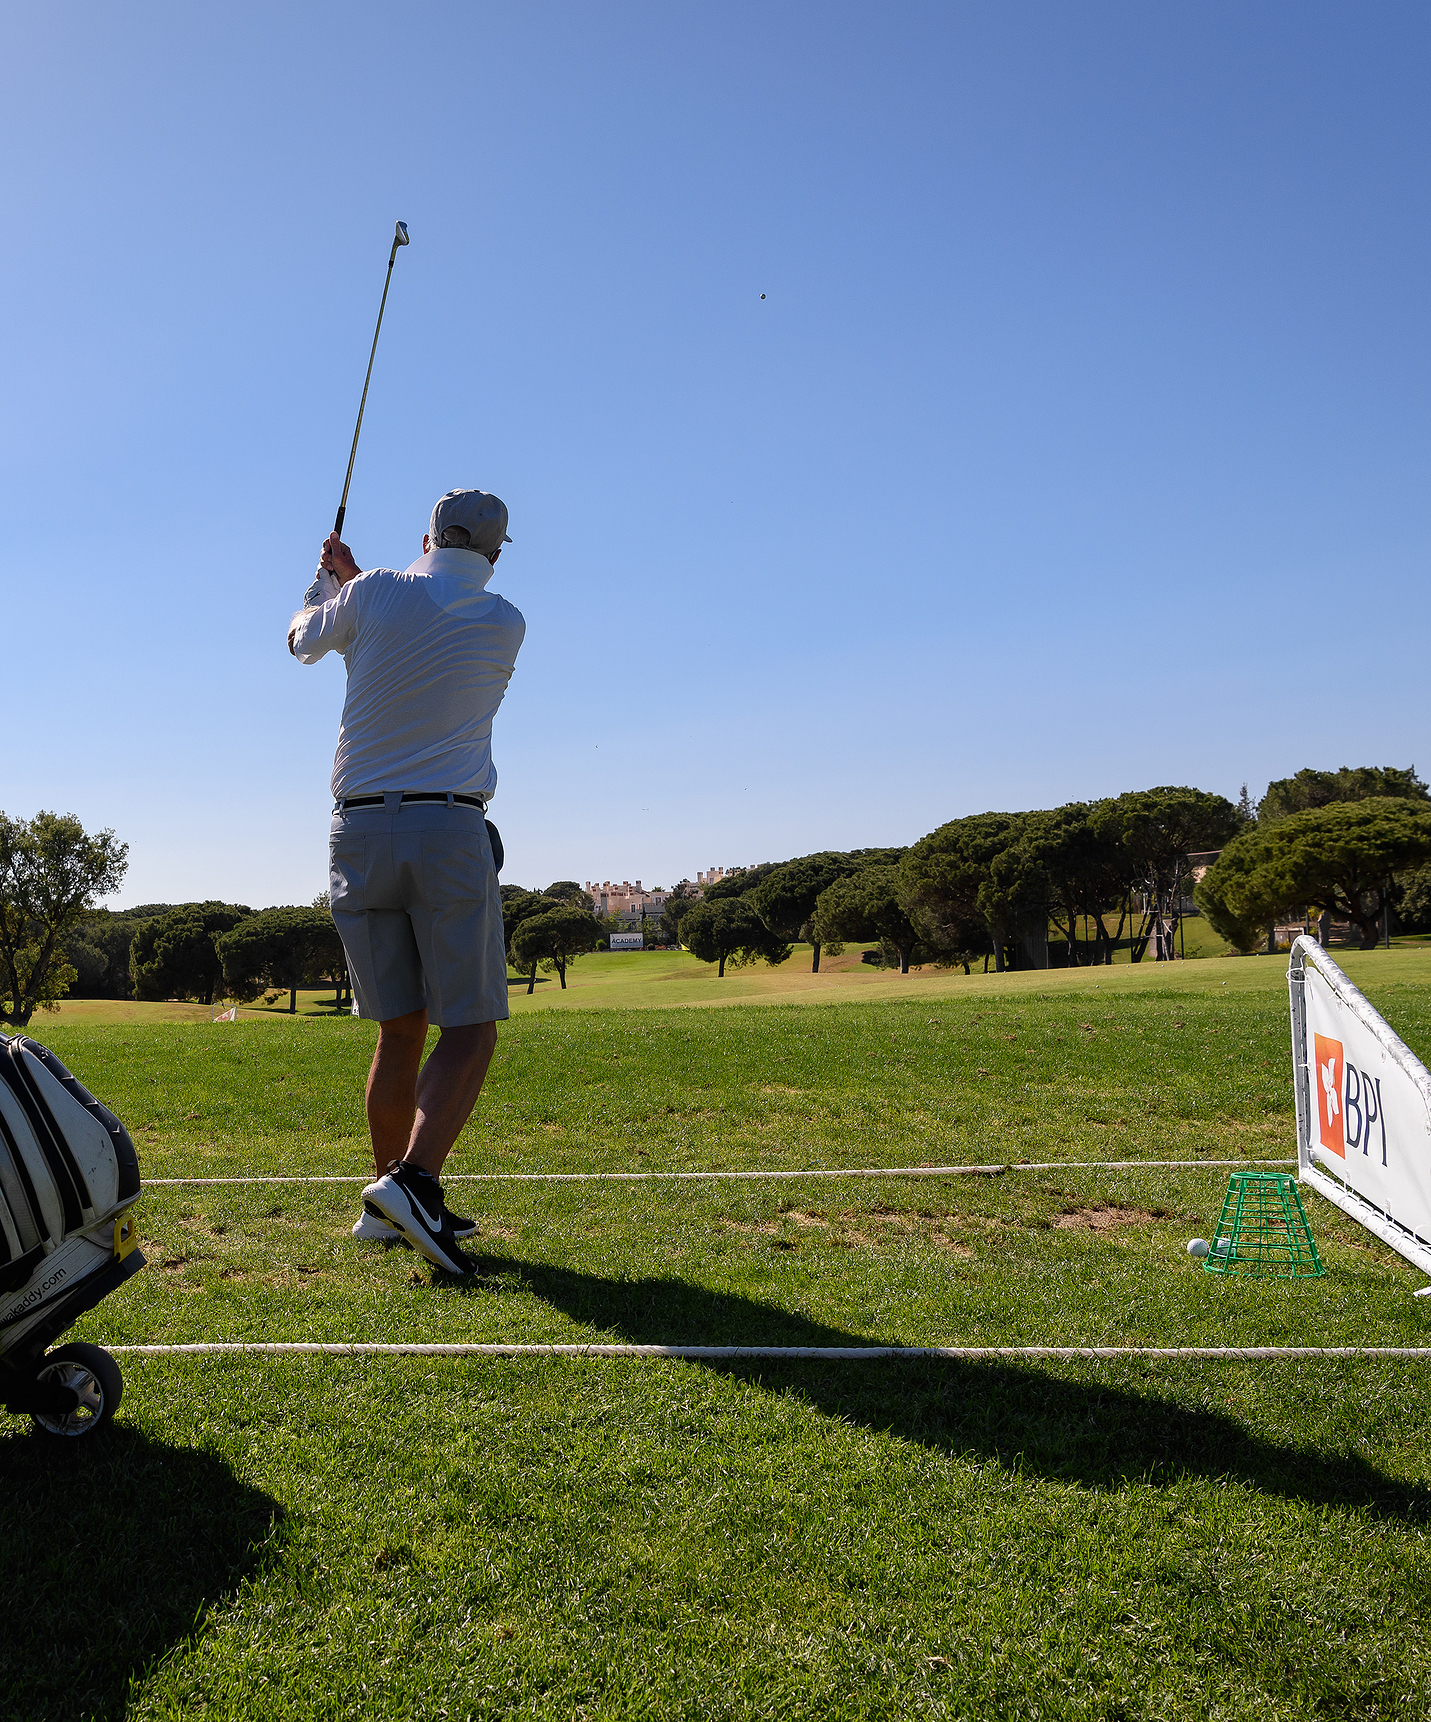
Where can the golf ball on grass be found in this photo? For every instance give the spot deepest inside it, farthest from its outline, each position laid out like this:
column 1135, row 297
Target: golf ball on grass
column 1198, row 1247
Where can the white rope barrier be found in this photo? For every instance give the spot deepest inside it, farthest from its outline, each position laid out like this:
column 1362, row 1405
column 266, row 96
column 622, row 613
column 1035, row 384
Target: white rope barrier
column 992, row 1171
column 821, row 1353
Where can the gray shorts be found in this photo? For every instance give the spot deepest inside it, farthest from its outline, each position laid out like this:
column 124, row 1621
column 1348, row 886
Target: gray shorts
column 414, row 895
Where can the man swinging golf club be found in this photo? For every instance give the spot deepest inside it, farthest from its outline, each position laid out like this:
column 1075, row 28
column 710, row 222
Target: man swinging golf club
column 412, row 875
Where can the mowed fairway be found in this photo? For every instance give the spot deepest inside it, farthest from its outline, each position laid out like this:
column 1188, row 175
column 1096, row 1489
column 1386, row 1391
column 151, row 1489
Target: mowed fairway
column 318, row 1537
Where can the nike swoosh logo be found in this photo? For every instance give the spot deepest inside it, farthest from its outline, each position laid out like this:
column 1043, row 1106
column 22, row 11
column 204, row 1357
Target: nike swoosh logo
column 431, row 1224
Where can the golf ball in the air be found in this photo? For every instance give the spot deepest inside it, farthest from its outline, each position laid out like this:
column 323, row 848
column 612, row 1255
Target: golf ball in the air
column 1198, row 1246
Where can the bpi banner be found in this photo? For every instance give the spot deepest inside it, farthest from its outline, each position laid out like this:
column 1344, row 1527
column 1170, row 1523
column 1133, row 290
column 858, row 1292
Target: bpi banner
column 1363, row 1107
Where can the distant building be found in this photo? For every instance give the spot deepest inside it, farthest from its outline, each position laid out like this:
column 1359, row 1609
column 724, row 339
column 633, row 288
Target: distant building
column 629, row 902
column 1198, row 863
column 626, row 901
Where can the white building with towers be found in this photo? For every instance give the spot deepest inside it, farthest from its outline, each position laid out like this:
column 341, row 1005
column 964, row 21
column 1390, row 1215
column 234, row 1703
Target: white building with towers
column 629, row 902
column 626, row 901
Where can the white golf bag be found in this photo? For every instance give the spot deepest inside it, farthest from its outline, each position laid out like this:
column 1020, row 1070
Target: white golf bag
column 68, row 1178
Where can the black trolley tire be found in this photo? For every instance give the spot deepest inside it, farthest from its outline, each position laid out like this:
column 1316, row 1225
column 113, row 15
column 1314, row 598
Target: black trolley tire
column 104, row 1378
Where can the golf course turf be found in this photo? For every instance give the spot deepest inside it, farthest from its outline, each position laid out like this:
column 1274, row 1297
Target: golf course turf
column 270, row 1536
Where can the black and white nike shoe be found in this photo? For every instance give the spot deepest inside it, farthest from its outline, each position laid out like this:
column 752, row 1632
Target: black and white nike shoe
column 460, row 1228
column 411, row 1199
column 372, row 1228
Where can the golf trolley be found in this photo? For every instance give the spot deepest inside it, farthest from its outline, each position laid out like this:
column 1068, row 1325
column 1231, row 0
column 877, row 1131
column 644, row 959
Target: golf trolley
column 68, row 1179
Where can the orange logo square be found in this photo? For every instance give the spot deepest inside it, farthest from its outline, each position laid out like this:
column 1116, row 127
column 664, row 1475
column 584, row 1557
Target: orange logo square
column 1328, row 1087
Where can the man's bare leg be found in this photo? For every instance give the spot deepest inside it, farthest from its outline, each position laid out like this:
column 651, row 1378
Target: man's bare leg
column 392, row 1086
column 447, row 1091
column 436, row 1100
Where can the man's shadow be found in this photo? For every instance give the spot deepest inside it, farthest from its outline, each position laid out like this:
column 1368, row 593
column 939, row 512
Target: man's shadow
column 114, row 1547
column 1081, row 1430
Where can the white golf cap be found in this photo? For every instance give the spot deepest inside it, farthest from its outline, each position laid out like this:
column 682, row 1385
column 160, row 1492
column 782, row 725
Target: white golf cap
column 469, row 520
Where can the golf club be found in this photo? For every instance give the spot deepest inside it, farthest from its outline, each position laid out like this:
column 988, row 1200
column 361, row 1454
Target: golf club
column 399, row 238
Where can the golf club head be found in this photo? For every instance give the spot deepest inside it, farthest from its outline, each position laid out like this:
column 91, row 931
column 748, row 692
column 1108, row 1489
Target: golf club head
column 400, row 237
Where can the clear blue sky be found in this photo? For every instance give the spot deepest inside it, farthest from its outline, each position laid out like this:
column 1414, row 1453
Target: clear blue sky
column 1079, row 444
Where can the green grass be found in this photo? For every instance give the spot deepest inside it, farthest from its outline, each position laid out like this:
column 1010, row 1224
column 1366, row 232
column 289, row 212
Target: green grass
column 663, row 980
column 300, row 1538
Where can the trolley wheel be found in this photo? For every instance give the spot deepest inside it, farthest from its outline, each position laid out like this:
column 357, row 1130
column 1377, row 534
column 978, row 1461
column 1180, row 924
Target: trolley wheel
column 94, row 1375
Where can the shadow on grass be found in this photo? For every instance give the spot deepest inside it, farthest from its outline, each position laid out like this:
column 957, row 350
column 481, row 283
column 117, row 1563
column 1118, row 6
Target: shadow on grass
column 112, row 1553
column 1035, row 1418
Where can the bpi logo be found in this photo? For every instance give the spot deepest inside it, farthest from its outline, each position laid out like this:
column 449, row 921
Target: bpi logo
column 1348, row 1102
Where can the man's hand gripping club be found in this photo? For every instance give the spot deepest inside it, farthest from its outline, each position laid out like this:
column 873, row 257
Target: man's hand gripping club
column 336, row 568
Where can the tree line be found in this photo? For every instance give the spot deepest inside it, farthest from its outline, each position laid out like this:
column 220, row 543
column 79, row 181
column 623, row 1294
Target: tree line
column 990, row 887
column 54, row 941
column 549, row 929
column 1063, row 885
column 1066, row 884
column 1353, row 844
column 205, row 951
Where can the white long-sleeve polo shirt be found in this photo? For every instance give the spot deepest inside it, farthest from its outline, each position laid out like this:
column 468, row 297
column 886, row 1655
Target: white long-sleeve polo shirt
column 429, row 653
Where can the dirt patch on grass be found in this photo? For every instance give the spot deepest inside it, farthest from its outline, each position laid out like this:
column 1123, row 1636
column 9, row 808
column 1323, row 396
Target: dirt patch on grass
column 881, row 1224
column 1103, row 1219
column 773, row 1228
column 293, row 1274
column 870, row 1228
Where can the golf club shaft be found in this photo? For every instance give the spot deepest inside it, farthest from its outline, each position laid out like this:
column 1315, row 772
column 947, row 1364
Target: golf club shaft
column 357, row 428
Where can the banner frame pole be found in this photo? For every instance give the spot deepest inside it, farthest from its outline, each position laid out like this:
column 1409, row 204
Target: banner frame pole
column 1301, row 1075
column 1374, row 1220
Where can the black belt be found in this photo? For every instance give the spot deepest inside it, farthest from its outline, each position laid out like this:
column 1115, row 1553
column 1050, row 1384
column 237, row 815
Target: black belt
column 418, row 795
